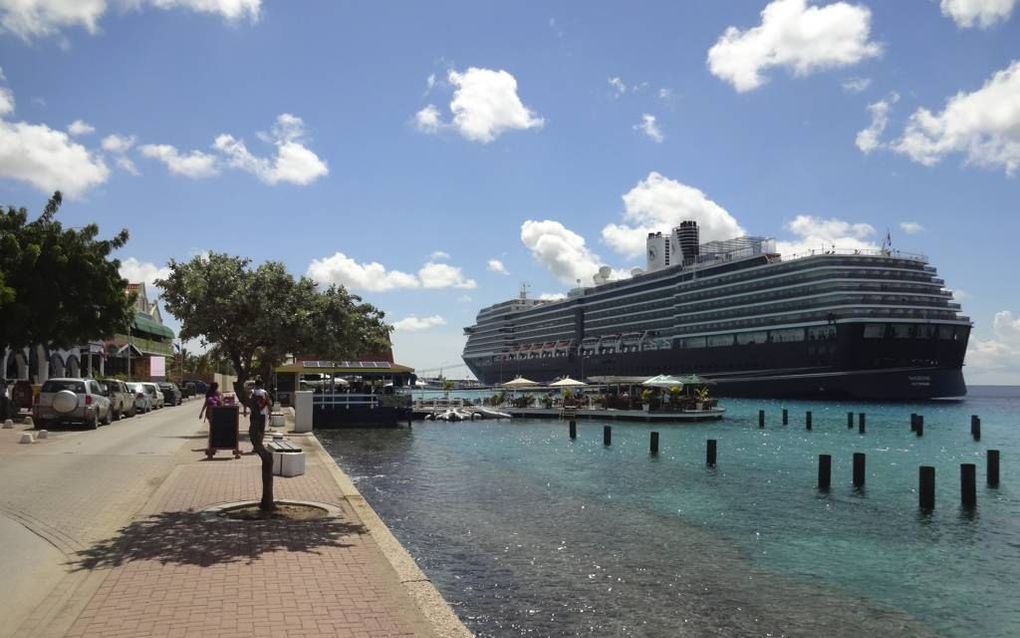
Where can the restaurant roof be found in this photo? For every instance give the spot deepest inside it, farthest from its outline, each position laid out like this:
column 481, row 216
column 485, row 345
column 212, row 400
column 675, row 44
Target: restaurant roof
column 345, row 367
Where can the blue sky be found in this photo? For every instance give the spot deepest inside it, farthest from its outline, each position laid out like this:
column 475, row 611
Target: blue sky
column 423, row 139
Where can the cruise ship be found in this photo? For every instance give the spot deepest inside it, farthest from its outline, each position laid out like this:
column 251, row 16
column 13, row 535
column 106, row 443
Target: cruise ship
column 863, row 324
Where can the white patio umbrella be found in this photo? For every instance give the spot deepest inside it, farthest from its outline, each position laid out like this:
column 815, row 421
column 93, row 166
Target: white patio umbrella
column 520, row 382
column 567, row 382
column 664, row 381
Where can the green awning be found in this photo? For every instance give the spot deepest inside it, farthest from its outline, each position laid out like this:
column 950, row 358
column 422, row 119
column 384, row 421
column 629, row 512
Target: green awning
column 144, row 324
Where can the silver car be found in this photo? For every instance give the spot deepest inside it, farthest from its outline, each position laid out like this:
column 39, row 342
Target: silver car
column 71, row 400
column 154, row 393
column 143, row 403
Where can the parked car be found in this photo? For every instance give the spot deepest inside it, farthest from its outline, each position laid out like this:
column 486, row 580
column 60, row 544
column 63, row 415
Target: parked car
column 188, row 389
column 171, row 393
column 155, row 395
column 72, row 400
column 122, row 400
column 143, row 402
column 201, row 387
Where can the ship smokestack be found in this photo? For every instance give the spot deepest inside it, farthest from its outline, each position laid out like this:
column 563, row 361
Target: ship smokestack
column 686, row 242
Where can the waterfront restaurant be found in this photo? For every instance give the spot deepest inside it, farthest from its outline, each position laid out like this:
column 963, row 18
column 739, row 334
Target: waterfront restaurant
column 349, row 393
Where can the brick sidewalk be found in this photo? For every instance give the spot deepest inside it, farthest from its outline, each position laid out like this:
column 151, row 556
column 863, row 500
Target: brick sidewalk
column 175, row 572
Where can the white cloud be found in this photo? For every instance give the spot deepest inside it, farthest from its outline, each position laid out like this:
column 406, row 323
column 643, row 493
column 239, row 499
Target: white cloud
column 816, row 233
column 856, row 85
column 142, row 271
column 658, row 203
column 977, row 13
column 294, row 162
column 29, row 19
column 80, row 127
column 195, row 164
column 562, row 251
column 428, row 120
column 911, row 228
column 439, row 254
column 997, row 358
column 552, row 296
column 6, row 101
column 48, row 159
column 437, row 275
column 794, row 35
column 870, row 138
column 983, row 125
column 496, row 265
column 118, row 143
column 618, row 86
column 430, row 82
column 485, row 104
column 414, row 323
column 373, row 276
column 650, row 127
column 126, row 164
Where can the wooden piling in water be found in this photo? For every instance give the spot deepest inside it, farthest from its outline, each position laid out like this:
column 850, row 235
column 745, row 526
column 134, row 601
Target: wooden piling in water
column 919, row 430
column 849, row 420
column 968, row 485
column 913, row 421
column 573, row 429
column 860, row 422
column 710, row 450
column 926, row 487
column 975, row 427
column 807, row 420
column 761, row 418
column 653, row 443
column 858, row 469
column 992, row 468
column 786, row 416
column 824, row 471
column 607, row 435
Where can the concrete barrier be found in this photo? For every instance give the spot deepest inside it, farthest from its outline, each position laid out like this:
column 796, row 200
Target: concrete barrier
column 303, row 411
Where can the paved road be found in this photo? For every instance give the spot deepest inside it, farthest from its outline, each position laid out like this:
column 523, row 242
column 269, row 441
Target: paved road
column 59, row 496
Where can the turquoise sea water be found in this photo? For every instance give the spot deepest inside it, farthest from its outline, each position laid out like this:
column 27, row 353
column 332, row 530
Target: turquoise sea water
column 527, row 533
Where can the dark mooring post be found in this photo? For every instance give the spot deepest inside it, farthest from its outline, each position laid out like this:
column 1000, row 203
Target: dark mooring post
column 849, row 420
column 993, row 468
column 653, row 443
column 926, row 488
column 975, row 427
column 710, row 453
column 607, row 435
column 807, row 420
column 858, row 469
column 786, row 417
column 860, row 423
column 919, row 430
column 913, row 421
column 824, row 471
column 761, row 418
column 573, row 429
column 968, row 485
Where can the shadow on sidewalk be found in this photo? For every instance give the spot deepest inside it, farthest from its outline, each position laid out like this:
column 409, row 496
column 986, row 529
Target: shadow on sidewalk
column 190, row 538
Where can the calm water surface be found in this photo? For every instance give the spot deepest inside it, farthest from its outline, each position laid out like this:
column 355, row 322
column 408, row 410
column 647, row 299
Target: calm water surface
column 529, row 534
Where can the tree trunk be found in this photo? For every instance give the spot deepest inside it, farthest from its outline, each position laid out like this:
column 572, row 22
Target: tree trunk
column 256, row 431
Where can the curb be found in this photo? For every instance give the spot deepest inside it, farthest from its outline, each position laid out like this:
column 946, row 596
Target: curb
column 430, row 603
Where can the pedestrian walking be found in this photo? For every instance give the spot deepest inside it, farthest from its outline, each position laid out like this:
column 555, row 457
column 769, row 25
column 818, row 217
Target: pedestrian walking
column 212, row 400
column 259, row 403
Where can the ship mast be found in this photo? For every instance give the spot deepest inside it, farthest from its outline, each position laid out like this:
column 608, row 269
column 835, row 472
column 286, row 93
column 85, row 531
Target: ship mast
column 524, row 290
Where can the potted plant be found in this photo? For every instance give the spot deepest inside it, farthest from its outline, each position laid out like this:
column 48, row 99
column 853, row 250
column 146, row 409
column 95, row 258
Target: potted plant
column 701, row 395
column 646, row 399
column 674, row 396
column 547, row 402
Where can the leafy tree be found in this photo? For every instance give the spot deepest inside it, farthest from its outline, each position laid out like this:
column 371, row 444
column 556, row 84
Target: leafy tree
column 58, row 286
column 255, row 317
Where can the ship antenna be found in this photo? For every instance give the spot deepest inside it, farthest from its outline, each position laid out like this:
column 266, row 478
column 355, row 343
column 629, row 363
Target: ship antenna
column 524, row 290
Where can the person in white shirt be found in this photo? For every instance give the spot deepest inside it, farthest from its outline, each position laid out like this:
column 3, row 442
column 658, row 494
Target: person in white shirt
column 260, row 405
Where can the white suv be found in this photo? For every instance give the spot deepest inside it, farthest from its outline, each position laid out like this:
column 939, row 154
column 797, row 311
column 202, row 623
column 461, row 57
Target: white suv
column 70, row 400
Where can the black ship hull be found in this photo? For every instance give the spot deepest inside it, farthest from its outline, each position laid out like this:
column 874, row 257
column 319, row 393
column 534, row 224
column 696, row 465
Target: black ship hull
column 846, row 366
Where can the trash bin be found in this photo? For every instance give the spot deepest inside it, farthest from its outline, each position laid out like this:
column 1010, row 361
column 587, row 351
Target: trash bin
column 288, row 459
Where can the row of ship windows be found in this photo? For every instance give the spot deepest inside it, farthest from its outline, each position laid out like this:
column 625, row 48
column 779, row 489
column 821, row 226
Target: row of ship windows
column 768, row 289
column 912, row 331
column 906, row 313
